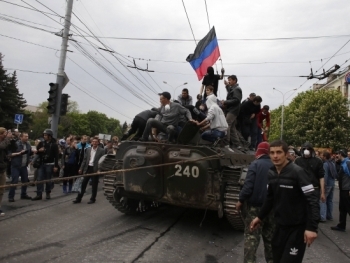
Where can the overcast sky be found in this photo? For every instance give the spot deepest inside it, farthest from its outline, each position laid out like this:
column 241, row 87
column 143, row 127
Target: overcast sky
column 129, row 91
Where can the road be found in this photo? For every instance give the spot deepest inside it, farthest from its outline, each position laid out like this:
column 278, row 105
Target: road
column 58, row 231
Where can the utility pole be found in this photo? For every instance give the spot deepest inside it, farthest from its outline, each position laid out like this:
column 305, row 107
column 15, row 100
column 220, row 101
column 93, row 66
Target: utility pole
column 62, row 63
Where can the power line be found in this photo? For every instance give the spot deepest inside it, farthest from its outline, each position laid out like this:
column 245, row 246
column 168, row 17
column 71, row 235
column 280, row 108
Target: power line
column 29, row 8
column 23, row 24
column 30, row 71
column 188, row 19
column 29, row 42
column 220, row 39
column 99, row 100
column 119, row 95
column 30, row 21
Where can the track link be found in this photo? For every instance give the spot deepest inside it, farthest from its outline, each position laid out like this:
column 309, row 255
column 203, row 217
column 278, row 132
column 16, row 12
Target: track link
column 231, row 196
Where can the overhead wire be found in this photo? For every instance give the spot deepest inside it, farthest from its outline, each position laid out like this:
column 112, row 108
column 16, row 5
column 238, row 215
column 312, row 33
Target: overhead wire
column 28, row 8
column 98, row 100
column 77, row 28
column 30, row 21
column 31, row 71
column 188, row 19
column 28, row 42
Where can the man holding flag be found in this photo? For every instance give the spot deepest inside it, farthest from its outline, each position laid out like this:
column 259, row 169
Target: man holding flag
column 205, row 55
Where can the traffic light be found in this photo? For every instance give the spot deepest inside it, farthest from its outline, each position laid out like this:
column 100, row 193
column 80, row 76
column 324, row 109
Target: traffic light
column 64, row 104
column 51, row 108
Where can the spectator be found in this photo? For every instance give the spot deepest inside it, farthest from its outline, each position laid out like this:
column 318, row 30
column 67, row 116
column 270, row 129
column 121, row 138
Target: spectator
column 90, row 165
column 253, row 195
column 232, row 105
column 314, row 166
column 216, row 117
column 291, row 155
column 20, row 160
column 109, row 149
column 168, row 118
column 344, row 191
column 291, row 196
column 330, row 173
column 248, row 120
column 81, row 149
column 184, row 98
column 264, row 114
column 48, row 152
column 211, row 79
column 139, row 123
column 5, row 137
column 199, row 101
column 70, row 160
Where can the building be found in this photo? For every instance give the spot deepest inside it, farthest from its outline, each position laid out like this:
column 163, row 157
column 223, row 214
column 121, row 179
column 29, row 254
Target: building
column 339, row 81
column 32, row 108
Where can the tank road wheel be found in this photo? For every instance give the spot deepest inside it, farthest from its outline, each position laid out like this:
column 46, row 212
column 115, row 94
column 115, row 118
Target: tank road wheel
column 231, row 197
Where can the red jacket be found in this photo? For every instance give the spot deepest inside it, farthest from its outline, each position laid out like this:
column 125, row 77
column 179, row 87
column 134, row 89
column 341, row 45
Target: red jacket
column 261, row 117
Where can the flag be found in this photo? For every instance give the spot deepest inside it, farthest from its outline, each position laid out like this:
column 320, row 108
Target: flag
column 205, row 55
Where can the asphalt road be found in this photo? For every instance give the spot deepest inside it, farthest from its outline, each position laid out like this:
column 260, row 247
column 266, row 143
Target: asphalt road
column 58, row 231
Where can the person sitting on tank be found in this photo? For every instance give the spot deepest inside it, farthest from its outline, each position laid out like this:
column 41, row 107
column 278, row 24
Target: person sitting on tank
column 139, row 123
column 168, row 118
column 217, row 120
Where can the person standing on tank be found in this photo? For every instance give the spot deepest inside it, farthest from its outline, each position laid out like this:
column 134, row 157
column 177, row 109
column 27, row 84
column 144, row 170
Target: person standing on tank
column 294, row 202
column 48, row 153
column 252, row 196
column 89, row 166
column 211, row 79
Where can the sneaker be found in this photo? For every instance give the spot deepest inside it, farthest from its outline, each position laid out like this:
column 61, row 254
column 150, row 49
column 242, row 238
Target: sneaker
column 26, row 197
column 38, row 197
column 337, row 228
column 2, row 213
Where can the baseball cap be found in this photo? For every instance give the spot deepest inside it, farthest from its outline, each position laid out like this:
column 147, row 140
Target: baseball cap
column 165, row 95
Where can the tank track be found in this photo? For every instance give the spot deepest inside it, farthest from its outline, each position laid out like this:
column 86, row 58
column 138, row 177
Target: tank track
column 231, row 196
column 112, row 189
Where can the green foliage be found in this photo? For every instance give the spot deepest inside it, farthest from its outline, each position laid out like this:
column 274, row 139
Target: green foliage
column 320, row 117
column 12, row 102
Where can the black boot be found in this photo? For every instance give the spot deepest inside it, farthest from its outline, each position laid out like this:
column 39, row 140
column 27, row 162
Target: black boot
column 38, row 197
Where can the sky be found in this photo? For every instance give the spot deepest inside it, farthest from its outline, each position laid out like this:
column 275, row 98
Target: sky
column 249, row 36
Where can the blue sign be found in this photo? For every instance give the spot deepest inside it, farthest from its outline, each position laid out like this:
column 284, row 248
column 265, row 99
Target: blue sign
column 18, row 119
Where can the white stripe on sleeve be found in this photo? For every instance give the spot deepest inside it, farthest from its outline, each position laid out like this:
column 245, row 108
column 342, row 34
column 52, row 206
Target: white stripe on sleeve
column 307, row 188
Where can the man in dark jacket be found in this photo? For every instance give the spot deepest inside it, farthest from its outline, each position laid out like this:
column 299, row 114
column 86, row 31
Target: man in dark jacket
column 89, row 166
column 292, row 198
column 48, row 152
column 344, row 191
column 139, row 123
column 232, row 105
column 314, row 167
column 248, row 120
column 253, row 195
column 5, row 137
column 19, row 162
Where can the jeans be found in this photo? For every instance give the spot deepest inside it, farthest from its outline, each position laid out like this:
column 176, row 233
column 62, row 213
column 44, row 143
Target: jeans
column 44, row 173
column 161, row 127
column 253, row 133
column 212, row 135
column 15, row 173
column 94, row 186
column 2, row 183
column 326, row 208
column 232, row 133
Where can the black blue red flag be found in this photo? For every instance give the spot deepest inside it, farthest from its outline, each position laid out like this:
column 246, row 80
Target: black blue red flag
column 205, row 55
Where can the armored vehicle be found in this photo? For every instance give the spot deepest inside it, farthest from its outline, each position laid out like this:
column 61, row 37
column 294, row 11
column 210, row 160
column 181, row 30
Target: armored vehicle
column 188, row 174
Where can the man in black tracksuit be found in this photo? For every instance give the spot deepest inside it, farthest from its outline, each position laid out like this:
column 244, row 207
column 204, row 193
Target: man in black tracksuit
column 292, row 197
column 139, row 123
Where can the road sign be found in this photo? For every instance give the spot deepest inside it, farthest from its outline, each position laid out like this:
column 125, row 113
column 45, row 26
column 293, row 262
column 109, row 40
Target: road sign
column 18, row 119
column 347, row 77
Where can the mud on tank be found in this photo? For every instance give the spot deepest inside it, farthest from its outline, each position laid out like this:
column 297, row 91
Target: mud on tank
column 171, row 176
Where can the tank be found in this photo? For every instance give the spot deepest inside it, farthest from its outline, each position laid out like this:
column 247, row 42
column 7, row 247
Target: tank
column 191, row 174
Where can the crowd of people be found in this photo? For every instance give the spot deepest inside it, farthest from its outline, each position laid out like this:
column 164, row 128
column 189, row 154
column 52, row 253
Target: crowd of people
column 238, row 124
column 50, row 157
column 299, row 196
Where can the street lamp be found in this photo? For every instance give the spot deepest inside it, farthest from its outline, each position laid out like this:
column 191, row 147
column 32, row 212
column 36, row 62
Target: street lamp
column 175, row 87
column 283, row 108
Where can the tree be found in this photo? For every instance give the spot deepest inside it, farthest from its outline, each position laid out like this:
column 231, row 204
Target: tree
column 320, row 117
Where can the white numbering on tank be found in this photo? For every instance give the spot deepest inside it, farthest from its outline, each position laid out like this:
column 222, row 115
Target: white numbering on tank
column 188, row 171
